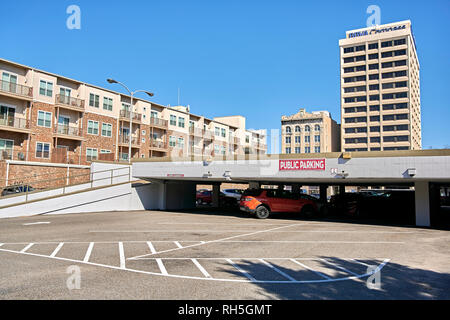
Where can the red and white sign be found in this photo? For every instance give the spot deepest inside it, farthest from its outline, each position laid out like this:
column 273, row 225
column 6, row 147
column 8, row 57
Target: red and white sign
column 307, row 164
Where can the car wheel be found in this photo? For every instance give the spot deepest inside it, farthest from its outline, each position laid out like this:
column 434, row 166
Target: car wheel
column 308, row 211
column 262, row 212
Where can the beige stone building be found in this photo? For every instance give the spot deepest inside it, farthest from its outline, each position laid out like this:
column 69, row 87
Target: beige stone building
column 380, row 89
column 306, row 132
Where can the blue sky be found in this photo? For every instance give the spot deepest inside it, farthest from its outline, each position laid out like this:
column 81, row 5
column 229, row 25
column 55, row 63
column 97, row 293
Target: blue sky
column 259, row 59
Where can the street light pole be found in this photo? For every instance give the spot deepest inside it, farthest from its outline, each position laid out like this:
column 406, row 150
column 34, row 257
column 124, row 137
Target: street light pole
column 130, row 111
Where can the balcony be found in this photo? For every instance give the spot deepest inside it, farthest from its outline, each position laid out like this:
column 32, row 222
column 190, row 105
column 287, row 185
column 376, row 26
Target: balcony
column 68, row 132
column 196, row 150
column 157, row 122
column 234, row 140
column 125, row 115
column 195, row 132
column 69, row 103
column 158, row 144
column 15, row 124
column 208, row 135
column 124, row 141
column 15, row 90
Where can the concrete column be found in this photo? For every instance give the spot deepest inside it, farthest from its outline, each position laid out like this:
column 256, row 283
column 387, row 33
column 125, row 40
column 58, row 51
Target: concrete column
column 341, row 189
column 323, row 193
column 215, row 195
column 422, row 195
column 253, row 185
column 296, row 188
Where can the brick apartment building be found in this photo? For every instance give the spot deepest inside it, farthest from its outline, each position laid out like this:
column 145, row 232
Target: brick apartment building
column 50, row 119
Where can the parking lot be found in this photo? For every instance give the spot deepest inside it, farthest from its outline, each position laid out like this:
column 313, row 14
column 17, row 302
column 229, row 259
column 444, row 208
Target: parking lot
column 207, row 254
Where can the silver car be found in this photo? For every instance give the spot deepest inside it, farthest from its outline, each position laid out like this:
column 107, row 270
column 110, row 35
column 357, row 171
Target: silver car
column 234, row 193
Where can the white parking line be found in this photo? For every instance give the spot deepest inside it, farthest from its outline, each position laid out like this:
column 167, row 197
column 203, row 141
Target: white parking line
column 26, row 248
column 200, row 267
column 35, row 223
column 218, row 240
column 152, row 248
column 88, row 252
column 311, row 269
column 284, row 274
column 338, row 266
column 57, row 249
column 122, row 256
column 178, row 244
column 161, row 266
column 245, row 273
column 1, row 244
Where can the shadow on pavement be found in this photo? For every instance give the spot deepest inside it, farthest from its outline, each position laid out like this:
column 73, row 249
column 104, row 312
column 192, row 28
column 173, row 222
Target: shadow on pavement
column 397, row 282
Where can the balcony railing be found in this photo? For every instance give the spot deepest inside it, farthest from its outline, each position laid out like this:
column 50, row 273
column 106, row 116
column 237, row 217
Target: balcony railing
column 126, row 114
column 126, row 140
column 208, row 135
column 69, row 101
column 195, row 131
column 13, row 122
column 158, row 144
column 16, row 89
column 68, row 130
column 157, row 122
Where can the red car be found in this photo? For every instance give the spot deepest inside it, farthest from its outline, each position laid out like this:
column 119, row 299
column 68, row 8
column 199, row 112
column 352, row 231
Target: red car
column 205, row 197
column 262, row 202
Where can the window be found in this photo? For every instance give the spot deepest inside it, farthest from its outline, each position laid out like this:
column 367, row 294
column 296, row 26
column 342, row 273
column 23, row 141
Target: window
column 42, row 150
column 317, row 127
column 288, row 139
column 223, row 132
column 360, row 68
column 297, row 150
column 307, row 139
column 44, row 119
column 288, row 150
column 173, row 120
column 375, row 76
column 247, row 139
column 360, row 58
column 374, row 87
column 94, row 100
column 375, row 139
column 307, row 149
column 172, row 141
column 297, row 129
column 348, row 60
column 181, row 122
column 386, row 65
column 373, row 46
column 217, row 131
column 347, row 70
column 91, row 154
column 395, row 138
column 46, row 88
column 297, row 139
column 400, row 63
column 92, row 127
column 347, row 50
column 400, row 52
column 374, row 118
column 7, row 147
column 107, row 130
column 375, row 108
column 374, row 97
column 386, row 54
column 373, row 56
column 107, row 103
column 180, row 143
column 317, row 149
column 154, row 114
column 288, row 130
column 375, row 149
column 399, row 42
column 307, row 128
column 373, row 66
column 317, row 138
column 103, row 151
column 386, row 44
column 360, row 48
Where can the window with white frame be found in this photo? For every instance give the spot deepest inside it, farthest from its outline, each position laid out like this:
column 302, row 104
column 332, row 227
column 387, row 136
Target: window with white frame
column 217, row 131
column 223, row 132
column 44, row 119
column 172, row 141
column 106, row 130
column 180, row 143
column 6, row 149
column 91, row 154
column 173, row 120
column 154, row 114
column 181, row 122
column 92, row 127
column 42, row 150
column 107, row 103
column 94, row 100
column 105, row 151
column 46, row 88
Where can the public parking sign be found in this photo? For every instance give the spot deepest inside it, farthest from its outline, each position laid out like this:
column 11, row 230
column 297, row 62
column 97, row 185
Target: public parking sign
column 307, row 164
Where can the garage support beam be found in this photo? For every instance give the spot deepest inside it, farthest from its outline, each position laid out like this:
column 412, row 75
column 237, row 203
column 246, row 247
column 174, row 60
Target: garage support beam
column 323, row 193
column 215, row 195
column 254, row 185
column 422, row 196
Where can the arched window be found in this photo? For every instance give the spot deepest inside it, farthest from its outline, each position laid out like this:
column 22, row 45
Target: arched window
column 307, row 128
column 297, row 128
column 317, row 127
column 288, row 130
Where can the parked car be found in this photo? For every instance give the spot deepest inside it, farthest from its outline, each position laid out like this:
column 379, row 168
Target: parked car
column 16, row 189
column 263, row 202
column 234, row 193
column 205, row 197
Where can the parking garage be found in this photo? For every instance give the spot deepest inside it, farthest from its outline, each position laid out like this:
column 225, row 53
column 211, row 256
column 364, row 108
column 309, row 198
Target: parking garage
column 426, row 173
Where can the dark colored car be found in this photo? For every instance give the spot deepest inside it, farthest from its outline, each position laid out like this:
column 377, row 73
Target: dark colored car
column 262, row 202
column 205, row 197
column 16, row 189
